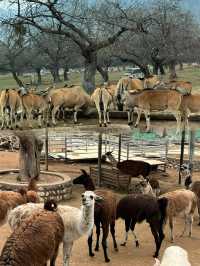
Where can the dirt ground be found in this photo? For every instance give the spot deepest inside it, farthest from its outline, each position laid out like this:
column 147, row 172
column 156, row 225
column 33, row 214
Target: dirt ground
column 129, row 255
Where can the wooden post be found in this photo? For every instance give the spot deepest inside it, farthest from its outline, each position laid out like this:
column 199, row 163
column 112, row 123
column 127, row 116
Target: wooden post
column 46, row 149
column 191, row 148
column 166, row 154
column 99, row 158
column 182, row 151
column 127, row 154
column 119, row 147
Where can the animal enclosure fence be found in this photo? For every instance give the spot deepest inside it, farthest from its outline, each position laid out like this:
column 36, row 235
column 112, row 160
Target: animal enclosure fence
column 84, row 146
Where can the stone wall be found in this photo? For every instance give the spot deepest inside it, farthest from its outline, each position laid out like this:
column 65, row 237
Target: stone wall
column 59, row 191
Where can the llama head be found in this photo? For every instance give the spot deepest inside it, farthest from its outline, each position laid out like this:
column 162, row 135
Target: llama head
column 89, row 198
column 82, row 179
column 85, row 180
column 186, row 177
column 50, row 205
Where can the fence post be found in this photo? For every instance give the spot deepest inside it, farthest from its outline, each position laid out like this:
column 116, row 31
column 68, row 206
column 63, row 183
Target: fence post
column 182, row 151
column 119, row 147
column 99, row 158
column 166, row 153
column 191, row 148
column 127, row 155
column 46, row 148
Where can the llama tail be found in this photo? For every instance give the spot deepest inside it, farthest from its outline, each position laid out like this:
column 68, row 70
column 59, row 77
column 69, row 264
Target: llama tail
column 163, row 202
column 50, row 205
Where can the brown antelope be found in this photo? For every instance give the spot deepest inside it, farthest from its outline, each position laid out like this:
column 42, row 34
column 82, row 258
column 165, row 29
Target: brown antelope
column 184, row 87
column 33, row 102
column 10, row 99
column 72, row 98
column 135, row 85
column 150, row 100
column 190, row 105
column 102, row 99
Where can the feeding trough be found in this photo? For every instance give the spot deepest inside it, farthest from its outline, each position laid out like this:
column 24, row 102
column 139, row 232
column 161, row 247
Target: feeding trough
column 51, row 185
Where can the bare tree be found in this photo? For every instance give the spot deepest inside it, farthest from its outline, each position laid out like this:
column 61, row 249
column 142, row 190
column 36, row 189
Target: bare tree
column 12, row 54
column 91, row 25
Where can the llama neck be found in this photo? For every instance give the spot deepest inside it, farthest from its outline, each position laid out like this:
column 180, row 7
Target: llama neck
column 87, row 218
column 112, row 160
column 89, row 185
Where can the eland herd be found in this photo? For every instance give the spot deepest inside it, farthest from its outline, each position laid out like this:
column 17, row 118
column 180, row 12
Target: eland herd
column 143, row 96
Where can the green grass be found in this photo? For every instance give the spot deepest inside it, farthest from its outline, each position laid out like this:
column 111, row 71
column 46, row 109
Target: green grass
column 189, row 74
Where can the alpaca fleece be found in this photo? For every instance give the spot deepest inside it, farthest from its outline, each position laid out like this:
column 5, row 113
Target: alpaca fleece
column 11, row 199
column 34, row 242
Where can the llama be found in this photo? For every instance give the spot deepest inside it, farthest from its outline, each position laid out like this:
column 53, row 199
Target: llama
column 140, row 185
column 180, row 201
column 174, row 256
column 10, row 199
column 135, row 168
column 131, row 167
column 189, row 184
column 36, row 241
column 77, row 222
column 104, row 214
column 136, row 208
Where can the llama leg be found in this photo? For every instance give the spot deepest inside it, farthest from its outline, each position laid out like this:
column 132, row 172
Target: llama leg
column 132, row 226
column 98, row 234
column 185, row 225
column 154, row 231
column 171, row 228
column 105, row 228
column 127, row 227
column 198, row 206
column 112, row 230
column 91, row 254
column 67, row 248
column 190, row 222
column 53, row 259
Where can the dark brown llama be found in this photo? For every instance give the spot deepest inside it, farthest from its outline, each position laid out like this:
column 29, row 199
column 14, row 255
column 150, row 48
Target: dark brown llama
column 139, row 207
column 104, row 214
column 135, row 168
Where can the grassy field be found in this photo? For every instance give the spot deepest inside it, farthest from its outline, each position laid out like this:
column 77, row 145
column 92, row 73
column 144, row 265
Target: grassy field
column 188, row 73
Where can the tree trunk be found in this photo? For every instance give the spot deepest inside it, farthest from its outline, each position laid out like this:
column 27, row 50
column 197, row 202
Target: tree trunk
column 172, row 70
column 17, row 79
column 55, row 74
column 39, row 77
column 29, row 159
column 65, row 74
column 145, row 70
column 181, row 66
column 89, row 71
column 103, row 72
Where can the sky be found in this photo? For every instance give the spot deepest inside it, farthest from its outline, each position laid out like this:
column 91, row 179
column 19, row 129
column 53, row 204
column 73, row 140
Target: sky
column 191, row 5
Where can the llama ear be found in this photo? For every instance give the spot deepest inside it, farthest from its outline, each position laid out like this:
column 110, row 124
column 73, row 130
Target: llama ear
column 84, row 172
column 157, row 262
column 98, row 198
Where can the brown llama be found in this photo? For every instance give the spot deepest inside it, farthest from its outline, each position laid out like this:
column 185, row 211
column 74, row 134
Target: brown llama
column 104, row 214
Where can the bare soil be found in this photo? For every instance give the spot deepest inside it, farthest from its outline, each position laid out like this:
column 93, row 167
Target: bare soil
column 129, row 255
